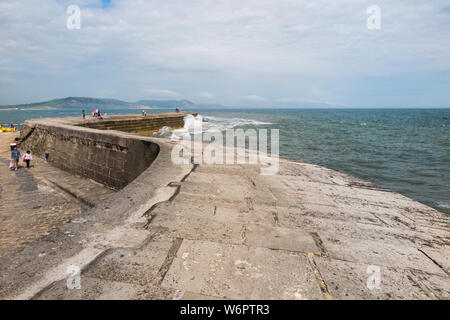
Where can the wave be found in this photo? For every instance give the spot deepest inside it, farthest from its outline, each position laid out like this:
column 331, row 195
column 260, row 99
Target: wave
column 443, row 205
column 206, row 124
column 236, row 122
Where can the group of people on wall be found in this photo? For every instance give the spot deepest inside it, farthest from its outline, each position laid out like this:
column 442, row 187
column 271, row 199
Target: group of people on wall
column 95, row 113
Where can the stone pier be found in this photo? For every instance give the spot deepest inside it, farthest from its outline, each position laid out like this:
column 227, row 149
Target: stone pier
column 198, row 231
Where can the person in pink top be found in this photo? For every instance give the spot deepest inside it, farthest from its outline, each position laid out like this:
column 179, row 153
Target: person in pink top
column 27, row 158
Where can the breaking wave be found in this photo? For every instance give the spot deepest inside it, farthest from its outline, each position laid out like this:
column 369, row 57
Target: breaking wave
column 206, row 124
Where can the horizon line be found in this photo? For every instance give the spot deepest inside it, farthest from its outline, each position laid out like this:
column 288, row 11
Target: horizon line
column 317, row 106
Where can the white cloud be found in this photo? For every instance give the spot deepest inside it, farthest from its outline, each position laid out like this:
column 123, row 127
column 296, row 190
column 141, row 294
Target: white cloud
column 286, row 48
column 161, row 93
column 253, row 98
column 204, row 96
column 299, row 102
column 105, row 93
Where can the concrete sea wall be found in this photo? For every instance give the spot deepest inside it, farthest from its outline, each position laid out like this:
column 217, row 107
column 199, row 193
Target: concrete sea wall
column 85, row 147
column 151, row 122
column 108, row 159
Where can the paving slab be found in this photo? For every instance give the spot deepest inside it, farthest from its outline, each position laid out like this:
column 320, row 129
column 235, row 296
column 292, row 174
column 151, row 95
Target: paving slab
column 348, row 280
column 241, row 272
column 381, row 253
column 135, row 266
column 258, row 235
column 90, row 289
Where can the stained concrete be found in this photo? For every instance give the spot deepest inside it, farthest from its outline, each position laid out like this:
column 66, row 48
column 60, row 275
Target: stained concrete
column 35, row 201
column 227, row 232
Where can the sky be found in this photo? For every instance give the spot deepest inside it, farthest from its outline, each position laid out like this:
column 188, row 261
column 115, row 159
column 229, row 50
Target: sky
column 257, row 53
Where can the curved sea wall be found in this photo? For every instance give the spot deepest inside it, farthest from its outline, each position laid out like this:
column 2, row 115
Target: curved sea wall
column 84, row 148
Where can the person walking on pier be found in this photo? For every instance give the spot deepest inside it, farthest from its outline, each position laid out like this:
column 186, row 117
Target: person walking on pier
column 14, row 144
column 27, row 158
column 15, row 156
column 84, row 114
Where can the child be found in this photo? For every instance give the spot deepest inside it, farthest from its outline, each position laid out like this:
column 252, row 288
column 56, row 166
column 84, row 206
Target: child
column 27, row 158
column 15, row 156
column 46, row 155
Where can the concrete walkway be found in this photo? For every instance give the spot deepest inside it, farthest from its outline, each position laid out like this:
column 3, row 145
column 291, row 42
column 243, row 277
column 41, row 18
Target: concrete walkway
column 34, row 201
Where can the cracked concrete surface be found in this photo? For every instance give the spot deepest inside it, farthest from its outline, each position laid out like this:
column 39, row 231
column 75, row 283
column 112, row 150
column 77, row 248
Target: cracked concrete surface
column 227, row 232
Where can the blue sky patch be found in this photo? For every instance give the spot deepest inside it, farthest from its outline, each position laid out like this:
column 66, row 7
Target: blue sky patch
column 105, row 3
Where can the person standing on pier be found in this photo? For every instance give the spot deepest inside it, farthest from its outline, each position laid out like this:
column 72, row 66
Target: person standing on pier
column 15, row 156
column 84, row 114
column 14, row 144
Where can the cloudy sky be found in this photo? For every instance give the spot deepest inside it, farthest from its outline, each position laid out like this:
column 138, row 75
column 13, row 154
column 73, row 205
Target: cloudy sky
column 233, row 52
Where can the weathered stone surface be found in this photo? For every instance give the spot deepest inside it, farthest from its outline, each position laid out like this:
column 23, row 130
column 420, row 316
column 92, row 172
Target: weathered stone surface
column 348, row 280
column 241, row 272
column 90, row 289
column 138, row 266
column 35, row 201
column 225, row 231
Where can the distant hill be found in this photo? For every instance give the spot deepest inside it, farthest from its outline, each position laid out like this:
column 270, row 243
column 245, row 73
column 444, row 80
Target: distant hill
column 70, row 102
column 84, row 102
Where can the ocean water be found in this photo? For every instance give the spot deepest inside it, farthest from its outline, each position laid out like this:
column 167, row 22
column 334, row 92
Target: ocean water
column 404, row 150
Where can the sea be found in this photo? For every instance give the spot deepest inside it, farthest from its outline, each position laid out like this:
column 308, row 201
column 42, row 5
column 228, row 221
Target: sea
column 403, row 150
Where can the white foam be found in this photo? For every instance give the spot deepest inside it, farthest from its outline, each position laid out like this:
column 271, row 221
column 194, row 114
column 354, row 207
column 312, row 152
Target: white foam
column 163, row 132
column 444, row 205
column 208, row 124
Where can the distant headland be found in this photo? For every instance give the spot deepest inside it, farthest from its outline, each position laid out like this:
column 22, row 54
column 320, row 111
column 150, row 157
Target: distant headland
column 84, row 102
